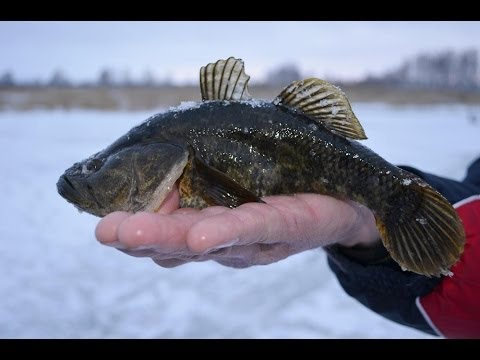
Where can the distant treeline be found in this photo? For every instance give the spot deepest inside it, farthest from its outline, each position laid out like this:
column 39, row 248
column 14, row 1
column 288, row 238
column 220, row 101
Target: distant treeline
column 108, row 78
column 447, row 69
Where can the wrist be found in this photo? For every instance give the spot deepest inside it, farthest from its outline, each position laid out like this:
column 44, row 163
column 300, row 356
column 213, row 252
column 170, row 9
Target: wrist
column 363, row 232
column 362, row 242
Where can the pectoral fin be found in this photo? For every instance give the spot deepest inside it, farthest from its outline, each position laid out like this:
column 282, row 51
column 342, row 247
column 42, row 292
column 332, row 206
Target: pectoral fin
column 218, row 188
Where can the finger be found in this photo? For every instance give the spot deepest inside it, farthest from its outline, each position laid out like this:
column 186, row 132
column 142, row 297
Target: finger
column 236, row 263
column 158, row 254
column 205, row 212
column 254, row 254
column 107, row 229
column 243, row 225
column 171, row 202
column 282, row 218
column 166, row 233
column 169, row 263
column 185, row 211
column 176, row 261
column 139, row 253
column 214, row 210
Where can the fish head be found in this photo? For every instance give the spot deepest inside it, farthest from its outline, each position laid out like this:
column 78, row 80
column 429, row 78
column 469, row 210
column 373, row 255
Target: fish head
column 136, row 178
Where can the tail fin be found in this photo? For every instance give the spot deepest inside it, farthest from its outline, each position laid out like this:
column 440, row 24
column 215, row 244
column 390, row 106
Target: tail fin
column 431, row 241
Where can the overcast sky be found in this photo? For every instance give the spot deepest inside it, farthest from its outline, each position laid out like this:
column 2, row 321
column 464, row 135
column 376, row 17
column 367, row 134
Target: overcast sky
column 336, row 49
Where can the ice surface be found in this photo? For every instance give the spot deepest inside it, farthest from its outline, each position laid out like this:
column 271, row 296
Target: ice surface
column 58, row 282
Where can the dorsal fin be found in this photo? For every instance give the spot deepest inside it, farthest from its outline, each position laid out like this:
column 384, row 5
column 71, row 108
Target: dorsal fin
column 323, row 102
column 224, row 80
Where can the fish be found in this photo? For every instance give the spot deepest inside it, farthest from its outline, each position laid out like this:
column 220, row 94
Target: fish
column 230, row 148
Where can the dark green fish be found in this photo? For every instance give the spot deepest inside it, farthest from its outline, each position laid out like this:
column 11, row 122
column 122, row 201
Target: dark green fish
column 230, row 149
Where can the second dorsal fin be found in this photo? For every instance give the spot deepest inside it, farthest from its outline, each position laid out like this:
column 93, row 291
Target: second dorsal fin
column 224, row 80
column 323, row 102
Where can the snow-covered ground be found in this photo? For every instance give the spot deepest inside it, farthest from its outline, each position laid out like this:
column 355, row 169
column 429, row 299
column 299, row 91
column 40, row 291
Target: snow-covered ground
column 58, row 282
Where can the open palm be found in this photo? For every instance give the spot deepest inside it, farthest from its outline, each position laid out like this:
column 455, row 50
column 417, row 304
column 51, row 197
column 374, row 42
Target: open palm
column 251, row 234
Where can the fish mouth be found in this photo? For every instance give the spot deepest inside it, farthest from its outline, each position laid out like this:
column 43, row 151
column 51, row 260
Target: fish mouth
column 66, row 188
column 80, row 195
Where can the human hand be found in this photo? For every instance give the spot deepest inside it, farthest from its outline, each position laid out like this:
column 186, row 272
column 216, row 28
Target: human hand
column 252, row 234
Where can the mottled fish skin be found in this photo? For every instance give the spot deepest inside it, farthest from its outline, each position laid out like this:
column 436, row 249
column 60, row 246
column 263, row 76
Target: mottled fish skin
column 271, row 150
column 227, row 150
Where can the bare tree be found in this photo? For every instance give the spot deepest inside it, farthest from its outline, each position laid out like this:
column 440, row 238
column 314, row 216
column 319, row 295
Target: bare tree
column 58, row 79
column 468, row 69
column 6, row 79
column 148, row 78
column 444, row 69
column 127, row 79
column 283, row 75
column 105, row 78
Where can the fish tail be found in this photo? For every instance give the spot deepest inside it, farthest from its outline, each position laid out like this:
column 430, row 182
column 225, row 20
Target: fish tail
column 431, row 240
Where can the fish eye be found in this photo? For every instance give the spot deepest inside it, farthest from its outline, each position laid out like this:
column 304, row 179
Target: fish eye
column 94, row 165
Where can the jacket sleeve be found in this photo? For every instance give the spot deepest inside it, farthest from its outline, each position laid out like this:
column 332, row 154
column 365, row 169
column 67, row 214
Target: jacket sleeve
column 446, row 306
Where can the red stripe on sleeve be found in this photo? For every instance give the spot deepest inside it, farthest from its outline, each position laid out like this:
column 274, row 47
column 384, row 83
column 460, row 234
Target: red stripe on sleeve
column 453, row 307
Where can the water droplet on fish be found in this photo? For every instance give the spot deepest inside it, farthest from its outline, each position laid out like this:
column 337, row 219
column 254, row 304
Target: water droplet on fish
column 406, row 182
column 422, row 221
column 246, row 130
column 313, row 127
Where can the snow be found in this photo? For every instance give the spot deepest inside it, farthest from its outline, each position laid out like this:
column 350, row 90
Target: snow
column 190, row 105
column 184, row 106
column 254, row 103
column 58, row 282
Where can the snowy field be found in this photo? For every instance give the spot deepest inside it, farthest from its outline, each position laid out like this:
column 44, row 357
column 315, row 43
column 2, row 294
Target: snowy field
column 58, row 282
